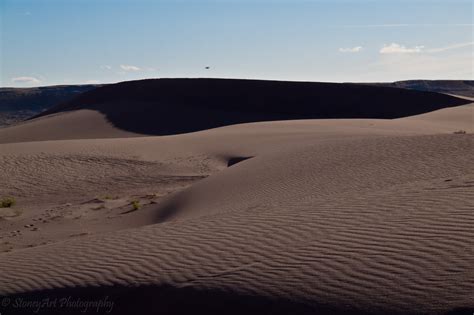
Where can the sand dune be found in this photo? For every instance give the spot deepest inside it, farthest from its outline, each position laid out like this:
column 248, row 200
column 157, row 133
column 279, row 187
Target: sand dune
column 160, row 107
column 82, row 124
column 317, row 216
column 371, row 235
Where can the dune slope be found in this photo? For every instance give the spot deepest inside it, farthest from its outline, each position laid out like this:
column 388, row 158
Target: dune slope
column 340, row 226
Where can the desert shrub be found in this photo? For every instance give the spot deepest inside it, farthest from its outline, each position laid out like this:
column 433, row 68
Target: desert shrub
column 7, row 202
column 136, row 204
column 460, row 132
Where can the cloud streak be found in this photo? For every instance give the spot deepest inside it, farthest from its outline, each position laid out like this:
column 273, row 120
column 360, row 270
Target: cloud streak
column 26, row 80
column 351, row 50
column 129, row 68
column 395, row 48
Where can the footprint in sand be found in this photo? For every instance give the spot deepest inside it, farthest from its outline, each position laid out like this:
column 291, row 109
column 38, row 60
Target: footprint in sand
column 15, row 233
column 6, row 247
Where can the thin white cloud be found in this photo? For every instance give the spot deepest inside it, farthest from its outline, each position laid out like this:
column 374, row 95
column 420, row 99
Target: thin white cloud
column 129, row 68
column 406, row 25
column 106, row 67
column 450, row 47
column 26, row 80
column 395, row 48
column 92, row 81
column 27, row 13
column 351, row 50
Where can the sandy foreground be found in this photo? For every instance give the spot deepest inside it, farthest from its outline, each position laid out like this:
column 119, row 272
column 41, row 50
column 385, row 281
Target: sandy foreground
column 369, row 216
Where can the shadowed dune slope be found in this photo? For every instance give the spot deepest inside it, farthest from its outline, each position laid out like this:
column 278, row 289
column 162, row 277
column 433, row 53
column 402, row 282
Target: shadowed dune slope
column 175, row 106
column 171, row 106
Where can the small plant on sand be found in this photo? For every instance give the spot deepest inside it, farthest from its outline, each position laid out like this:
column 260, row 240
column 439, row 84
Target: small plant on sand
column 109, row 197
column 7, row 202
column 460, row 132
column 135, row 204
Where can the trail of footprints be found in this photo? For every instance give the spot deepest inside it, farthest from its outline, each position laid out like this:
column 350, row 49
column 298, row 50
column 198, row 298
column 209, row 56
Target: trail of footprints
column 112, row 206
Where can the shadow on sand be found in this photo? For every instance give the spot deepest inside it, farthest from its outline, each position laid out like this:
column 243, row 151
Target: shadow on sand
column 171, row 300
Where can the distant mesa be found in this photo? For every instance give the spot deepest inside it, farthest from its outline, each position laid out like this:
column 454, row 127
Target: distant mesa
column 17, row 104
column 457, row 87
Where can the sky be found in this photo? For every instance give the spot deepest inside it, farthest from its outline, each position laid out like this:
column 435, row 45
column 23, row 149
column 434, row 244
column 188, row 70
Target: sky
column 50, row 42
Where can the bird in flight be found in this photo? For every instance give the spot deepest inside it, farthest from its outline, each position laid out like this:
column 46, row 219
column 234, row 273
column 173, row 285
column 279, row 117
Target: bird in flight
column 207, row 68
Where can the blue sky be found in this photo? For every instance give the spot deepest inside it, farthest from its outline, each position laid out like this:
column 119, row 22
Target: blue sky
column 46, row 42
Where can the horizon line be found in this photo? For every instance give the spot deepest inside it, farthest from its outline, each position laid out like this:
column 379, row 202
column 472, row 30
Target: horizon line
column 227, row 78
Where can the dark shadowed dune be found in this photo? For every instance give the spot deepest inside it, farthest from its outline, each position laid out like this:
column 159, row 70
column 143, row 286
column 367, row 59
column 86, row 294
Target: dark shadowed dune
column 173, row 106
